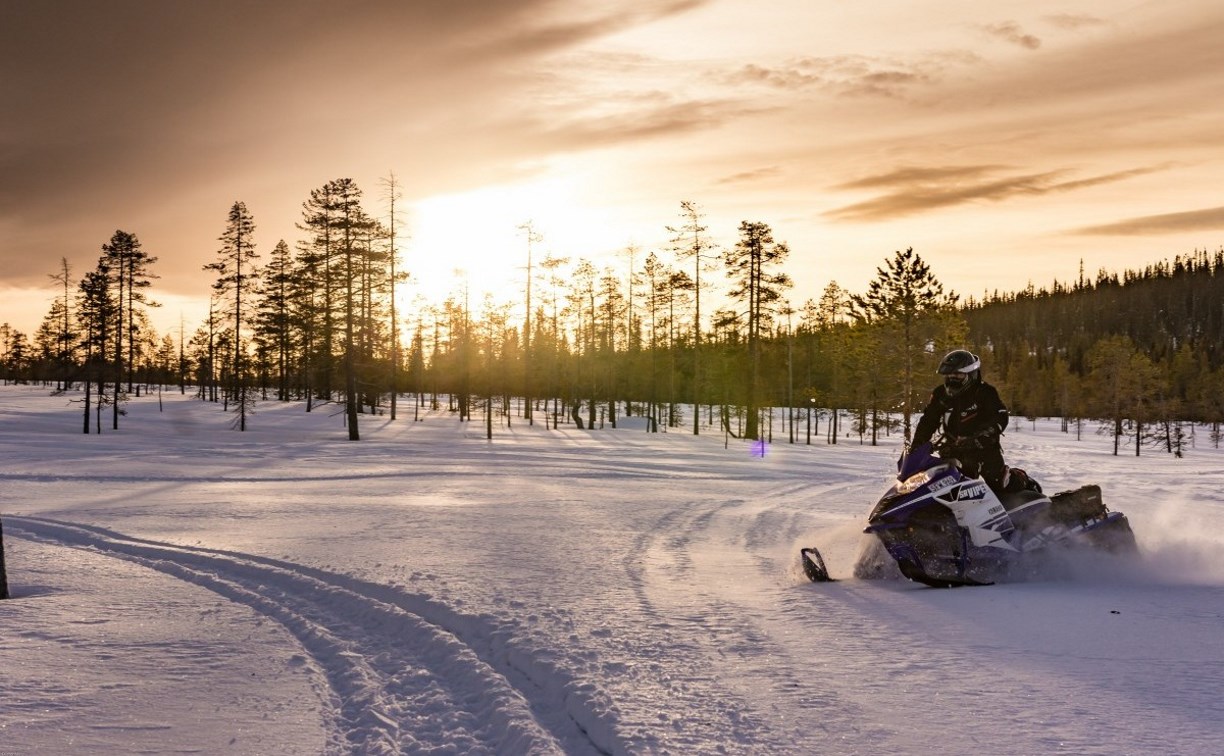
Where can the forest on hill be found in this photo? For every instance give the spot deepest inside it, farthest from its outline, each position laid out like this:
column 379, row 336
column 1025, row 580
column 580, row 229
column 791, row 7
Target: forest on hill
column 1136, row 355
column 1140, row 351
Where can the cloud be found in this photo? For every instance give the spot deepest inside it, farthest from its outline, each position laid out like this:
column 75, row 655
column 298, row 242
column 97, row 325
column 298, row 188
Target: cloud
column 1108, row 178
column 103, row 90
column 848, row 75
column 792, row 77
column 921, row 189
column 565, row 31
column 746, row 177
column 1210, row 219
column 636, row 121
column 1074, row 22
column 922, row 198
column 1010, row 31
column 918, row 176
column 141, row 114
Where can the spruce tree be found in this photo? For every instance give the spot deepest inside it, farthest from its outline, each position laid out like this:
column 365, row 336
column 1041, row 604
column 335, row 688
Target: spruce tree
column 128, row 265
column 905, row 300
column 755, row 283
column 235, row 284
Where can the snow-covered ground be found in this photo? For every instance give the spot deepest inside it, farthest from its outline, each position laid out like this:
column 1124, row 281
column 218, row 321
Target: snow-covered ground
column 182, row 587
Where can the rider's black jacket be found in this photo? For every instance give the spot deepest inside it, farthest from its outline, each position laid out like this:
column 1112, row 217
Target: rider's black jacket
column 976, row 413
column 972, row 422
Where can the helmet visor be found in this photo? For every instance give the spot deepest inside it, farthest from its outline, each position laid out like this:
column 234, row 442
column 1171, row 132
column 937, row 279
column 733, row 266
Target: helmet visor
column 959, row 361
column 956, row 381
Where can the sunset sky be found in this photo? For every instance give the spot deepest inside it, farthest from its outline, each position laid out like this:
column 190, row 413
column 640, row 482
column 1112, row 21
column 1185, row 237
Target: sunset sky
column 1005, row 141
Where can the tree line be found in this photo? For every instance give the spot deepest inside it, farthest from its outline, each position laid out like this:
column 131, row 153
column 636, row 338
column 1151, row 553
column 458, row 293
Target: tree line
column 1143, row 352
column 1137, row 356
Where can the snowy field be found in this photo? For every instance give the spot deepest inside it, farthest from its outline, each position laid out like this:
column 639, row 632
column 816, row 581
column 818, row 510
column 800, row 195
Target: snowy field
column 179, row 587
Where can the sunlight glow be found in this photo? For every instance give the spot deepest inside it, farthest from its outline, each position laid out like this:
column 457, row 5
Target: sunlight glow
column 480, row 232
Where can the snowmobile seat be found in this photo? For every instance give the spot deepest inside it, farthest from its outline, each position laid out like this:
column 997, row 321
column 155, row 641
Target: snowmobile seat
column 1081, row 504
column 1025, row 507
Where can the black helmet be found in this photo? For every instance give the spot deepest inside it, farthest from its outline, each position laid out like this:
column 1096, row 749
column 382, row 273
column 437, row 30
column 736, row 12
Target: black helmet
column 960, row 369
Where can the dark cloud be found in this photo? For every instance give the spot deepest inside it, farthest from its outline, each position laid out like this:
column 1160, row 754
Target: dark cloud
column 122, row 113
column 1210, row 219
column 921, row 189
column 131, row 92
column 567, row 31
column 924, row 197
column 920, row 176
column 1010, row 31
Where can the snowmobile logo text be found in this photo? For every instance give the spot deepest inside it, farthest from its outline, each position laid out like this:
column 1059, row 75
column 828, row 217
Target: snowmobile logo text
column 976, row 491
column 941, row 484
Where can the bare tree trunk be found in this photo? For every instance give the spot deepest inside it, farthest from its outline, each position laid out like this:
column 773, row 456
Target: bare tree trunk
column 4, row 591
column 88, row 389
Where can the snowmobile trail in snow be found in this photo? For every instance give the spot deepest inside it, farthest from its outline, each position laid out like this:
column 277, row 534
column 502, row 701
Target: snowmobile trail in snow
column 403, row 672
column 687, row 572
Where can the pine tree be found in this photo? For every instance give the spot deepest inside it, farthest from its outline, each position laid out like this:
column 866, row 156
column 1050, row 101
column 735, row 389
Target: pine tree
column 65, row 334
column 904, row 300
column 128, row 265
column 237, row 279
column 755, row 284
column 274, row 315
column 349, row 223
column 1113, row 384
column 395, row 278
column 96, row 308
column 690, row 241
column 532, row 237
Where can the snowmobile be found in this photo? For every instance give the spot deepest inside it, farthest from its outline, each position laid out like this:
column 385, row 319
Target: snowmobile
column 943, row 528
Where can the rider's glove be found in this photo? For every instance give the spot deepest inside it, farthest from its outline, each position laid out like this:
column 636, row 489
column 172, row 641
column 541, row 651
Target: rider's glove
column 988, row 437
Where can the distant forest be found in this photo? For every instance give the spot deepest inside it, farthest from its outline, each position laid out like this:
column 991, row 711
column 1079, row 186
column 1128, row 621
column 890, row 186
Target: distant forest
column 1136, row 356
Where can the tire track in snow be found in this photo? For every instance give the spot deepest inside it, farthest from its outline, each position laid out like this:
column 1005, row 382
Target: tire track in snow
column 711, row 570
column 404, row 673
column 668, row 569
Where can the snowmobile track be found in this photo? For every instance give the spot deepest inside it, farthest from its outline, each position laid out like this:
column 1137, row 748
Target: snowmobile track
column 400, row 668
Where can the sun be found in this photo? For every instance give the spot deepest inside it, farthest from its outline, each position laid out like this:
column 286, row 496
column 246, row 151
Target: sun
column 478, row 239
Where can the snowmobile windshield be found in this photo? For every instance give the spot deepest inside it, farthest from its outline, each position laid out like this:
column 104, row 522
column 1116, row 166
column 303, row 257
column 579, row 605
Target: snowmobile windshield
column 919, row 458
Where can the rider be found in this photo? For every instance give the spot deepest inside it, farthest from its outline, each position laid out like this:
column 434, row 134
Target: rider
column 972, row 417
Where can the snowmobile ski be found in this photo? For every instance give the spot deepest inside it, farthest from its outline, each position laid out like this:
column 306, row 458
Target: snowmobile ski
column 814, row 565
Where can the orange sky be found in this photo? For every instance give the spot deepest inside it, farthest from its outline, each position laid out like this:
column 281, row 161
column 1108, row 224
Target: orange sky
column 1005, row 141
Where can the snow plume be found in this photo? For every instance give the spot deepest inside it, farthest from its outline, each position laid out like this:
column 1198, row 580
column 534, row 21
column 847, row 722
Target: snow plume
column 1182, row 542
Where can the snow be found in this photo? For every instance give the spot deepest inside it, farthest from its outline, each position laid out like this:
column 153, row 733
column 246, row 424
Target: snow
column 181, row 587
